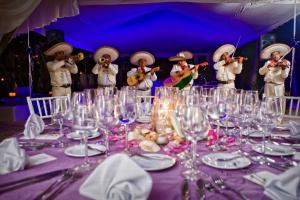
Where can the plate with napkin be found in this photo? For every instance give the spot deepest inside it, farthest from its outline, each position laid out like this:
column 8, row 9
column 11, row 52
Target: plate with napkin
column 118, row 178
column 12, row 157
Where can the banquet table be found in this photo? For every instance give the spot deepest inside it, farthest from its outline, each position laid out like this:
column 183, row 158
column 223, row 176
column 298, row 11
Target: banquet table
column 167, row 184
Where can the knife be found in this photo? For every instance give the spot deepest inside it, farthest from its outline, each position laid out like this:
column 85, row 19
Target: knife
column 30, row 180
column 185, row 190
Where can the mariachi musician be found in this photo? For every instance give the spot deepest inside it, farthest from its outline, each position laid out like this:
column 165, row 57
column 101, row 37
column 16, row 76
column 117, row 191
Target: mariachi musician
column 142, row 77
column 182, row 73
column 276, row 69
column 226, row 66
column 61, row 67
column 104, row 68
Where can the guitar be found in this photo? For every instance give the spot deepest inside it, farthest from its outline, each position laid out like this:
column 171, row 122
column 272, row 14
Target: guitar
column 138, row 77
column 182, row 79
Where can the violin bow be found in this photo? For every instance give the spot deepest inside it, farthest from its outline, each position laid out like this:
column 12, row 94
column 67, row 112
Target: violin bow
column 236, row 45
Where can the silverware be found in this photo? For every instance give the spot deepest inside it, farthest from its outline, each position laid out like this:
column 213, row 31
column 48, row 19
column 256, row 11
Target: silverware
column 67, row 175
column 30, row 180
column 229, row 159
column 185, row 190
column 93, row 148
column 220, row 182
column 212, row 188
column 76, row 176
column 151, row 157
column 201, row 189
column 258, row 178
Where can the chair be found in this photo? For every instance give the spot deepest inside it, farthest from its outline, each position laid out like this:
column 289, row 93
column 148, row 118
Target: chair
column 42, row 106
column 145, row 105
column 292, row 106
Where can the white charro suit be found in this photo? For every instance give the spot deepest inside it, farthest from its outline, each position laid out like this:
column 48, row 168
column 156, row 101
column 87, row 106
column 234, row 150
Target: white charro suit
column 274, row 79
column 106, row 76
column 226, row 74
column 60, row 74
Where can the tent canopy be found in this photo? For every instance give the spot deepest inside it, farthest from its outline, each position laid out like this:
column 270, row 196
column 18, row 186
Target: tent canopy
column 168, row 27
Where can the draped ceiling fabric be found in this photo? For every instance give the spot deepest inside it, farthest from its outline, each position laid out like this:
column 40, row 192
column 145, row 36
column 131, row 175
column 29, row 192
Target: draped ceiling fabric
column 34, row 13
column 168, row 27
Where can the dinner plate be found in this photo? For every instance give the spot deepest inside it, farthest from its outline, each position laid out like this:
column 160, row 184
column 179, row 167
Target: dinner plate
column 144, row 119
column 154, row 161
column 256, row 134
column 78, row 150
column 274, row 150
column 76, row 136
column 238, row 163
column 223, row 124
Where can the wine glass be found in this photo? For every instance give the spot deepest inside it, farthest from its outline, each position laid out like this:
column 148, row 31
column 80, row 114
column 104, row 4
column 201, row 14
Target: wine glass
column 84, row 122
column 60, row 109
column 104, row 106
column 126, row 111
column 195, row 126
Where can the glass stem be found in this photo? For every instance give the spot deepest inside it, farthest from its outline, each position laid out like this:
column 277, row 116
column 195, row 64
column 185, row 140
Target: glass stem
column 126, row 138
column 194, row 153
column 106, row 142
column 86, row 158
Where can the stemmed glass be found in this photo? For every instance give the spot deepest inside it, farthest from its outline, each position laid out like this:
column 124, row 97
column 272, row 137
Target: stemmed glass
column 195, row 125
column 126, row 110
column 84, row 122
column 60, row 109
column 104, row 105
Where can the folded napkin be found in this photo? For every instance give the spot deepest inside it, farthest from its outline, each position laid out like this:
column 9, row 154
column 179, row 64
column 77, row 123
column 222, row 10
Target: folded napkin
column 294, row 129
column 12, row 157
column 285, row 186
column 34, row 126
column 117, row 178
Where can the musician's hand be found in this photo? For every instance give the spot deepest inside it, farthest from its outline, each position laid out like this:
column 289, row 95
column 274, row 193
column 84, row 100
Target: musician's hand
column 241, row 60
column 271, row 64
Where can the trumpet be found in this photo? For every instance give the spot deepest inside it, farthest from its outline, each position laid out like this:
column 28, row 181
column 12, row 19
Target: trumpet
column 77, row 58
column 237, row 58
column 102, row 60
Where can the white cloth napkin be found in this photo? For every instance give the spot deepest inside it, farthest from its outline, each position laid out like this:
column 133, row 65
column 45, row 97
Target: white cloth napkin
column 294, row 129
column 12, row 157
column 285, row 186
column 117, row 178
column 34, row 126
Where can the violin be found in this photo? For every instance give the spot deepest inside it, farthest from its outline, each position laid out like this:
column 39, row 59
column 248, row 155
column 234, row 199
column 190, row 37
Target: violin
column 235, row 59
column 280, row 63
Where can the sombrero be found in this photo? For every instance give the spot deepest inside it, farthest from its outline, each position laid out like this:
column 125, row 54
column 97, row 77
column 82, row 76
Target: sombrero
column 282, row 48
column 183, row 55
column 60, row 46
column 229, row 48
column 114, row 54
column 134, row 59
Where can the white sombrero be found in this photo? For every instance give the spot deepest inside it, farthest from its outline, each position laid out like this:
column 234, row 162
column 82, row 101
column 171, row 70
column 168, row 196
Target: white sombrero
column 282, row 48
column 134, row 59
column 61, row 46
column 183, row 55
column 229, row 48
column 114, row 54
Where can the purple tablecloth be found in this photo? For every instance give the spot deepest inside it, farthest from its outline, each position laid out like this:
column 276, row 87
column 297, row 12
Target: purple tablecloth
column 166, row 184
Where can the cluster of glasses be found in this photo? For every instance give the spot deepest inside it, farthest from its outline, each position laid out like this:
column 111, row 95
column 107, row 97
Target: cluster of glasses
column 207, row 108
column 98, row 109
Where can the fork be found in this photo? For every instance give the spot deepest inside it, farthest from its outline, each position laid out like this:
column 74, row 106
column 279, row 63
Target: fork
column 220, row 182
column 76, row 176
column 66, row 176
column 229, row 159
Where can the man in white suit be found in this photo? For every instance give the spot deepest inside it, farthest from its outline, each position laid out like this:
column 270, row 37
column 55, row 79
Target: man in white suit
column 104, row 68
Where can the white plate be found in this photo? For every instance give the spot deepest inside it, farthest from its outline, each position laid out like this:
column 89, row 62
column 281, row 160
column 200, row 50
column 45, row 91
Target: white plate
column 156, row 163
column 76, row 136
column 238, row 163
column 274, row 150
column 256, row 134
column 144, row 119
column 223, row 124
column 78, row 150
